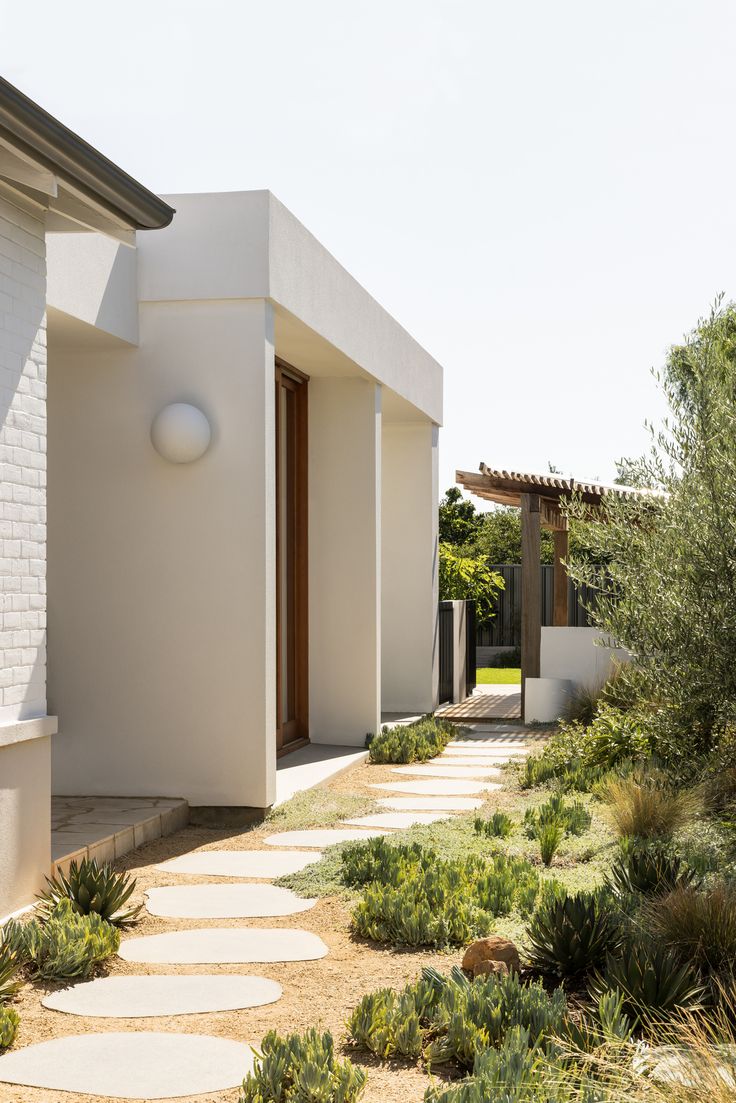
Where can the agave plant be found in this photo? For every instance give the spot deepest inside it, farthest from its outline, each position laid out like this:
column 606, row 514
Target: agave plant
column 10, row 963
column 572, row 934
column 651, row 978
column 93, row 889
column 648, row 871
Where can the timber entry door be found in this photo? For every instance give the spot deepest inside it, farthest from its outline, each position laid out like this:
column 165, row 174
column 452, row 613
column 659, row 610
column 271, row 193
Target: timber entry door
column 292, row 670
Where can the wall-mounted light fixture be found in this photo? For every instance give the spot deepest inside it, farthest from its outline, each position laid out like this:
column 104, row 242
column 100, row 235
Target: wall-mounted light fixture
column 181, row 433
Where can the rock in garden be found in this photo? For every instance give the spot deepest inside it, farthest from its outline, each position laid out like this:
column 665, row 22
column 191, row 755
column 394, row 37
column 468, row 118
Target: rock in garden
column 492, row 949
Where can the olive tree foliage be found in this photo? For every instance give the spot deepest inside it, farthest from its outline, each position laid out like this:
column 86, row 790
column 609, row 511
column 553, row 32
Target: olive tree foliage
column 669, row 583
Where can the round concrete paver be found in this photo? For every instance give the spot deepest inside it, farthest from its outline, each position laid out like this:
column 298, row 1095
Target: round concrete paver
column 463, row 772
column 325, row 836
column 224, row 946
column 132, row 1065
column 398, row 820
column 462, row 753
column 440, row 787
column 225, row 901
column 458, row 762
column 431, row 804
column 149, row 996
column 254, row 864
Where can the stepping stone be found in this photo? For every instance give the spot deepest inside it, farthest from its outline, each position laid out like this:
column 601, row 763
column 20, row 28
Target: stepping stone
column 144, row 997
column 326, row 836
column 430, row 770
column 268, row 864
column 130, row 1065
column 398, row 820
column 484, row 746
column 458, row 761
column 431, row 804
column 225, row 901
column 439, row 787
column 223, row 946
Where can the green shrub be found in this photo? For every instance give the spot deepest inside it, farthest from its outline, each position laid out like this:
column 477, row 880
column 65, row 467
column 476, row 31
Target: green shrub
column 414, row 898
column 505, row 660
column 699, row 925
column 93, row 889
column 646, row 805
column 415, row 742
column 455, row 1018
column 301, row 1068
column 516, row 1072
column 571, row 935
column 572, row 819
column 8, row 1026
column 499, row 826
column 550, row 837
column 651, row 978
column 576, row 757
column 647, row 870
column 64, row 944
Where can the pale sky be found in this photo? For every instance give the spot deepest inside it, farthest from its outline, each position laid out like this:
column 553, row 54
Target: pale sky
column 541, row 192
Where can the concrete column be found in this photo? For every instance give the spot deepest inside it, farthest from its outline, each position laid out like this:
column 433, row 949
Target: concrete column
column 409, row 644
column 344, row 560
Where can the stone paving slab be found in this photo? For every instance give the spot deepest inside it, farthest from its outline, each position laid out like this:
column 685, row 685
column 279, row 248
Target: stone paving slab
column 431, row 804
column 397, row 820
column 481, row 750
column 131, row 1065
column 253, row 901
column 324, row 836
column 223, row 946
column 466, row 760
column 440, row 787
column 429, row 769
column 254, row 864
column 140, row 997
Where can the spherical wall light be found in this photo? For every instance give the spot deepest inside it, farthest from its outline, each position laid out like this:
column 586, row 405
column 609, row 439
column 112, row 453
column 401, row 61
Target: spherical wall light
column 181, row 433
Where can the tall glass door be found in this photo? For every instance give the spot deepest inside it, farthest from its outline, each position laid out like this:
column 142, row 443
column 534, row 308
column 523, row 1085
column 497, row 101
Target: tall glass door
column 292, row 702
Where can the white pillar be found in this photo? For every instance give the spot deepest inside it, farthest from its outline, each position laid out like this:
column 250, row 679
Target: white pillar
column 410, row 657
column 344, row 560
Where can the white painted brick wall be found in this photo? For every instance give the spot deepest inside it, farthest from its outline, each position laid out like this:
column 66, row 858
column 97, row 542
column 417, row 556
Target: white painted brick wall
column 22, row 459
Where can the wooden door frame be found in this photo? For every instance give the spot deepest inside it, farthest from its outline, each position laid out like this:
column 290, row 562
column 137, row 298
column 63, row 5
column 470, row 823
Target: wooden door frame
column 295, row 381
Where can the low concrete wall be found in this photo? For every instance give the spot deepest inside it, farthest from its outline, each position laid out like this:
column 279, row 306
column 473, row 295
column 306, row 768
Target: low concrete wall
column 573, row 654
column 25, row 811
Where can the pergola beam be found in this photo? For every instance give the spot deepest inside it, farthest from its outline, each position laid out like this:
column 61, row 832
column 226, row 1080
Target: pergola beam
column 531, row 597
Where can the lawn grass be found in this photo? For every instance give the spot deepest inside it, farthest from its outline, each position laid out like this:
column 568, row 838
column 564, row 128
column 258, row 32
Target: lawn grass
column 498, row 676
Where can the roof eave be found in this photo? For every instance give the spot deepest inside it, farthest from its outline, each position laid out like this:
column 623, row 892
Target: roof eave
column 62, row 152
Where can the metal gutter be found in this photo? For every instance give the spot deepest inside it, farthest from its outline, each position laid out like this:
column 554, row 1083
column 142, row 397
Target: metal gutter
column 48, row 142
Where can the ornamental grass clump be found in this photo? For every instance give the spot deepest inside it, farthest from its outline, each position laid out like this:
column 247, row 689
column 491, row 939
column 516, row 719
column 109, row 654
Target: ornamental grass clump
column 411, row 897
column 415, row 742
column 698, row 925
column 571, row 935
column 301, row 1068
column 645, row 805
column 93, row 889
column 452, row 1019
column 64, row 944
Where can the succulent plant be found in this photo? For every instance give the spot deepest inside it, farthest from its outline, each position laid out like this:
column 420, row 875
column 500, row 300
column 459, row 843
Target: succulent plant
column 415, row 742
column 301, row 1067
column 572, row 818
column 499, row 826
column 572, row 934
column 10, row 963
column 64, row 944
column 93, row 889
column 648, row 870
column 8, row 1025
column 651, row 979
column 549, row 837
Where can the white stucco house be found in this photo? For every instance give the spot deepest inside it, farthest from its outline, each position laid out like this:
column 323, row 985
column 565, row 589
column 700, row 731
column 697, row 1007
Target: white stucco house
column 241, row 449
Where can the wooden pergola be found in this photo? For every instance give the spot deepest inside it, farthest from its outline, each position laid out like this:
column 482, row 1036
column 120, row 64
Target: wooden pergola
column 539, row 497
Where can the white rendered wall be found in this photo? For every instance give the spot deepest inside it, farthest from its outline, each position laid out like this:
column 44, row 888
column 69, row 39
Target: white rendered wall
column 25, row 818
column 162, row 652
column 22, row 459
column 409, row 627
column 344, row 560
column 572, row 654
